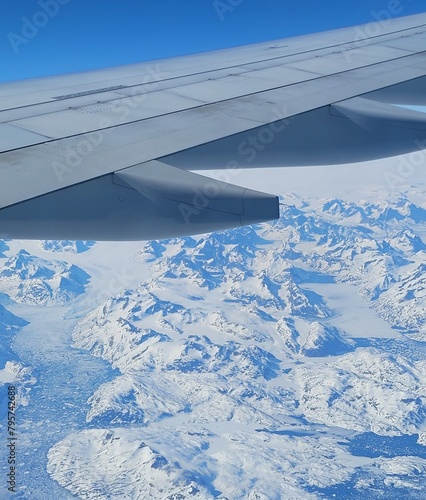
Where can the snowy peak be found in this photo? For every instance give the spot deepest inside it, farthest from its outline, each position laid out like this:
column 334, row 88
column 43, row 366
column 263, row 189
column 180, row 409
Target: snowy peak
column 319, row 341
column 66, row 246
column 32, row 280
column 404, row 304
column 3, row 248
column 366, row 391
column 244, row 340
column 375, row 213
column 325, row 340
column 344, row 209
column 115, row 451
column 9, row 323
column 9, row 326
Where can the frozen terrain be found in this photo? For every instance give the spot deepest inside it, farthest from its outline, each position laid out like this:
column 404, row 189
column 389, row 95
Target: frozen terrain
column 285, row 360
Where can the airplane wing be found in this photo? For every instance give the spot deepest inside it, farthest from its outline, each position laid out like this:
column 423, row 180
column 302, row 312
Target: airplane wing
column 111, row 154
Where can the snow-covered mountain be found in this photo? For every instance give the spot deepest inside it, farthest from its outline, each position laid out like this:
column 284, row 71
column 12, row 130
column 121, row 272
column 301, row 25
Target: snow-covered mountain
column 285, row 360
column 66, row 246
column 28, row 279
column 9, row 325
column 12, row 370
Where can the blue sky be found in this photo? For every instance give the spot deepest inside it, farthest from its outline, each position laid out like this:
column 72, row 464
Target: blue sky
column 42, row 37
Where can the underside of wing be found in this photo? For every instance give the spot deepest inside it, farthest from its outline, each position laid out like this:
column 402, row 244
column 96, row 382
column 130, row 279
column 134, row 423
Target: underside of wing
column 379, row 124
column 148, row 201
column 107, row 154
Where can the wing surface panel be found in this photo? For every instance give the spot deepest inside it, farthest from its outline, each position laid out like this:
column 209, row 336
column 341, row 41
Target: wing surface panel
column 43, row 89
column 195, row 112
column 147, row 201
column 56, row 164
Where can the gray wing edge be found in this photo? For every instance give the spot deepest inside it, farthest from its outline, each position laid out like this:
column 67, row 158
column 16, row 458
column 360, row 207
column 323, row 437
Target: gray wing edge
column 143, row 202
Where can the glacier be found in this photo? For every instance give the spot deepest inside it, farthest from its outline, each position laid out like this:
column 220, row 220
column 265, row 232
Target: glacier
column 283, row 360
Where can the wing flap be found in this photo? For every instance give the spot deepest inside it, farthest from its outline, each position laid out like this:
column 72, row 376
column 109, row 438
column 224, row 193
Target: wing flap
column 66, row 137
column 378, row 117
column 147, row 201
